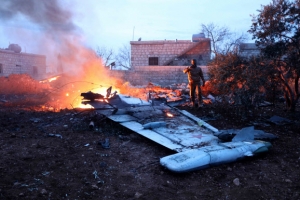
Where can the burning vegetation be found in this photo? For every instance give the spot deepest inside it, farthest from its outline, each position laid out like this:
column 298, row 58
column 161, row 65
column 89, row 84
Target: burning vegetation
column 65, row 91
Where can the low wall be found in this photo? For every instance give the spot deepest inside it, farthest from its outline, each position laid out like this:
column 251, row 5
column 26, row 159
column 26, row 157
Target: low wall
column 161, row 75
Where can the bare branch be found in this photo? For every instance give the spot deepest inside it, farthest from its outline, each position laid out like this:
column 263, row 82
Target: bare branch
column 105, row 54
column 222, row 39
column 123, row 58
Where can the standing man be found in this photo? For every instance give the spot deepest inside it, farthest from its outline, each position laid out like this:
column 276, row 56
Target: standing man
column 195, row 75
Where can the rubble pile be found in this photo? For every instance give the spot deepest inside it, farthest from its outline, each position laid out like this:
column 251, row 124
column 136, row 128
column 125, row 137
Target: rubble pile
column 176, row 94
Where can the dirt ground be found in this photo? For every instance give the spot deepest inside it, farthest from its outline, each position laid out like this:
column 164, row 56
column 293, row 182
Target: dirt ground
column 57, row 155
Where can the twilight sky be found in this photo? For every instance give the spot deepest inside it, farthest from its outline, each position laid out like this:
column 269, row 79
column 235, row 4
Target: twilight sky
column 114, row 23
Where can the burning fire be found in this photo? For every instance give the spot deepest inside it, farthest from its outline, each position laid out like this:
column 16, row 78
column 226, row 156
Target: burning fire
column 64, row 91
column 80, row 69
column 50, row 79
column 84, row 106
column 170, row 115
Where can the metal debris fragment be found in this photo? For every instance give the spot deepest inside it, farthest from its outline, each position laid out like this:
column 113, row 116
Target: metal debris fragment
column 279, row 120
column 55, row 135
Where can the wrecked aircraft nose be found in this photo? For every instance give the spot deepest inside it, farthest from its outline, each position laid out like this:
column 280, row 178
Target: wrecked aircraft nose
column 204, row 157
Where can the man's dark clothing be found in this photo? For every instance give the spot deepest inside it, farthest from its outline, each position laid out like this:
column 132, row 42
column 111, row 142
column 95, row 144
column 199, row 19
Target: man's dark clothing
column 195, row 75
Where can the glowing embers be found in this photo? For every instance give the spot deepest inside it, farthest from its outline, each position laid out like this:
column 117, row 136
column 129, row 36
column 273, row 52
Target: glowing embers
column 50, row 79
column 84, row 106
column 169, row 114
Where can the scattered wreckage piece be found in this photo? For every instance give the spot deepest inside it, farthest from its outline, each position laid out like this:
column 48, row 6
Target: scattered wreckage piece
column 91, row 96
column 279, row 120
column 91, row 125
column 105, row 144
column 265, row 104
column 247, row 133
column 55, row 135
column 152, row 135
column 196, row 142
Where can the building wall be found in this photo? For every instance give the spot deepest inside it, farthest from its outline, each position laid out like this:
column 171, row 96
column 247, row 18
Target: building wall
column 22, row 63
column 141, row 73
column 161, row 75
column 166, row 51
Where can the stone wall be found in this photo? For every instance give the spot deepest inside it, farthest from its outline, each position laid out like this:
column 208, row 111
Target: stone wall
column 166, row 50
column 161, row 75
column 22, row 63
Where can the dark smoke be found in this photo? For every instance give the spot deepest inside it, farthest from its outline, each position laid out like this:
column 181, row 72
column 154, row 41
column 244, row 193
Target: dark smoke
column 46, row 13
column 58, row 35
column 61, row 41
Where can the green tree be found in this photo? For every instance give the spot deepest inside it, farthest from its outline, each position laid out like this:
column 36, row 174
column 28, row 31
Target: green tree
column 276, row 31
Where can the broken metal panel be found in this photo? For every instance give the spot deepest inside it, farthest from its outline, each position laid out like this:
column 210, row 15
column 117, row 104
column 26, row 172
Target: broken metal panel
column 280, row 120
column 186, row 132
column 166, row 142
column 199, row 121
column 182, row 131
column 146, row 109
column 122, row 118
column 148, row 113
column 178, row 129
column 91, row 96
column 246, row 133
column 180, row 139
column 133, row 125
column 116, row 101
column 261, row 135
column 133, row 101
column 138, row 128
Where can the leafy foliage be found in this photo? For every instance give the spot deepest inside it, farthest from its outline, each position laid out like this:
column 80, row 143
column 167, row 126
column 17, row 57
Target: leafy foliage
column 277, row 32
column 241, row 81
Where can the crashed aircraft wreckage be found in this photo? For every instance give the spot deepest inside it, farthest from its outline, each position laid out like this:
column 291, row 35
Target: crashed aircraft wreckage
column 198, row 144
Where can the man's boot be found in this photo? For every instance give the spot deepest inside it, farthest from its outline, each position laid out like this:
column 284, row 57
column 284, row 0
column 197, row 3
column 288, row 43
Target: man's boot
column 193, row 104
column 200, row 104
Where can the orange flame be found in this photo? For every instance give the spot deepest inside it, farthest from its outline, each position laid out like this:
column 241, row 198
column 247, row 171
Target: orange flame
column 88, row 75
column 84, row 106
column 50, row 79
column 170, row 115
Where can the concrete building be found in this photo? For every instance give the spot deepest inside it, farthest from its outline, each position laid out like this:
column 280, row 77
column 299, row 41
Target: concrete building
column 170, row 52
column 13, row 61
column 162, row 61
